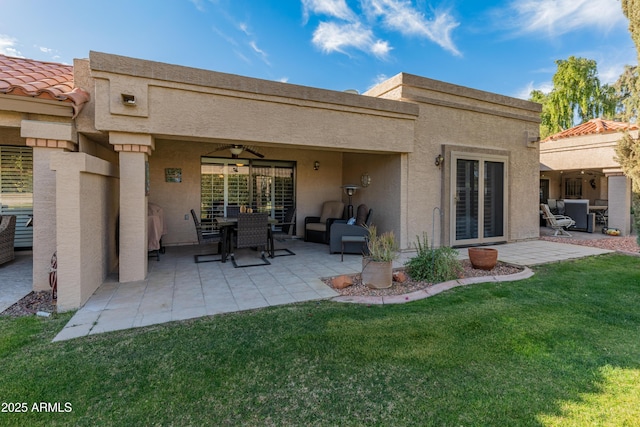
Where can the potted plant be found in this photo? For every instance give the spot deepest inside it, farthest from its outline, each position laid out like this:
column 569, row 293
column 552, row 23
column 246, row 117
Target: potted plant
column 377, row 266
column 483, row 258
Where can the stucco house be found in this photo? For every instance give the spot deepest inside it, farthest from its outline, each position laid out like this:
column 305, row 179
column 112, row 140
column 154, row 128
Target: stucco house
column 112, row 133
column 579, row 163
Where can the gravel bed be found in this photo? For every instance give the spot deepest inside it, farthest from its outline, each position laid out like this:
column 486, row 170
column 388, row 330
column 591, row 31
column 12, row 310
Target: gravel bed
column 32, row 303
column 359, row 289
column 626, row 244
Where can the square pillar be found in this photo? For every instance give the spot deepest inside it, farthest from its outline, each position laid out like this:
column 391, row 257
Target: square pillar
column 620, row 203
column 133, row 154
column 45, row 138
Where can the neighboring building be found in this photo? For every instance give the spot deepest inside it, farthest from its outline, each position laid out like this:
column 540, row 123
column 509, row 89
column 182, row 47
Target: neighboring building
column 154, row 132
column 579, row 163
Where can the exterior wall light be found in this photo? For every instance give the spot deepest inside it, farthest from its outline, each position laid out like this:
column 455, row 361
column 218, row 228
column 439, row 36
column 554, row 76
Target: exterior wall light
column 129, row 100
column 316, row 165
column 365, row 179
column 439, row 160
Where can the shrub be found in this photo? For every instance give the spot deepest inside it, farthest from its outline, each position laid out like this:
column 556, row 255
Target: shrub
column 434, row 265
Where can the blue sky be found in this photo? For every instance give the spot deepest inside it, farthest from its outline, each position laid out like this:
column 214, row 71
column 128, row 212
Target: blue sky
column 507, row 47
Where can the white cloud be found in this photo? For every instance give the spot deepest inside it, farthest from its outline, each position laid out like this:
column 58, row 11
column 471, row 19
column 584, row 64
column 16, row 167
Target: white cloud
column 261, row 53
column 401, row 16
column 198, row 4
column 333, row 8
column 525, row 92
column 7, row 46
column 283, row 79
column 557, row 17
column 334, row 37
column 244, row 28
column 379, row 79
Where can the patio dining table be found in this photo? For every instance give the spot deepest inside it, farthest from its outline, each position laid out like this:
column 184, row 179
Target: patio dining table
column 601, row 212
column 226, row 225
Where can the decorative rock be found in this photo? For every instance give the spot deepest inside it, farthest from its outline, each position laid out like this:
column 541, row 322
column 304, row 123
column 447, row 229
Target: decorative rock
column 400, row 277
column 341, row 282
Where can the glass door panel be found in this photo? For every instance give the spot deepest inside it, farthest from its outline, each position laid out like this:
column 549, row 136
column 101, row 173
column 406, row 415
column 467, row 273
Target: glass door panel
column 466, row 199
column 264, row 186
column 493, row 199
column 478, row 206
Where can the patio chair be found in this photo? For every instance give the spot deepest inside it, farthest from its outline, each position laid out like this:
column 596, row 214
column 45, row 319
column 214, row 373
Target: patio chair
column 340, row 229
column 317, row 228
column 7, row 236
column 233, row 211
column 252, row 232
column 557, row 222
column 287, row 228
column 211, row 235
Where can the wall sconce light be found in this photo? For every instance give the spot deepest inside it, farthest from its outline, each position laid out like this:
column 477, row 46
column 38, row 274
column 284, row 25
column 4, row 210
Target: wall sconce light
column 365, row 179
column 129, row 100
column 439, row 160
column 531, row 140
column 316, row 165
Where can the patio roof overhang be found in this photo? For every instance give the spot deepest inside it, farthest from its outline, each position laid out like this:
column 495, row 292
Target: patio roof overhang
column 181, row 103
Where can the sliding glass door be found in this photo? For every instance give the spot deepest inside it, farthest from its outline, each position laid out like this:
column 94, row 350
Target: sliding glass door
column 478, row 207
column 264, row 186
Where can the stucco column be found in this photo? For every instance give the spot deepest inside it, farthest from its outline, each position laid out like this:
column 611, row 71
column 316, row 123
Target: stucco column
column 45, row 138
column 620, row 203
column 133, row 150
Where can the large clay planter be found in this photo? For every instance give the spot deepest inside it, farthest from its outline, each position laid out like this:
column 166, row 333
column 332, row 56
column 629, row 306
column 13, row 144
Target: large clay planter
column 377, row 275
column 483, row 258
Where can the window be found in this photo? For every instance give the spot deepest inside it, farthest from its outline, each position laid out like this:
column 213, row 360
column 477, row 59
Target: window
column 573, row 188
column 264, row 186
column 16, row 189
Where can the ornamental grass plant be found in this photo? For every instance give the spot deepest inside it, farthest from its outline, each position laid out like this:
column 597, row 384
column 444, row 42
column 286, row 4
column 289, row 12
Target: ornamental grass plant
column 433, row 265
column 382, row 247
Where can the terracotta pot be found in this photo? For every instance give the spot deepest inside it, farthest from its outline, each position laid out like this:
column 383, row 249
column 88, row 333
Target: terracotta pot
column 377, row 275
column 483, row 258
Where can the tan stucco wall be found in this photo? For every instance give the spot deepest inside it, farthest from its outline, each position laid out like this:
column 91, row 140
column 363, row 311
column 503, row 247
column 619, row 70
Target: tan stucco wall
column 455, row 118
column 385, row 193
column 581, row 152
column 86, row 210
column 176, row 199
column 174, row 102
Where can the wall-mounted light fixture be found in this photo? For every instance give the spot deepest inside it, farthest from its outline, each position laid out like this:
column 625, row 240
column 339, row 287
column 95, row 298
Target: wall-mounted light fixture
column 127, row 99
column 531, row 139
column 316, row 165
column 439, row 160
column 365, row 179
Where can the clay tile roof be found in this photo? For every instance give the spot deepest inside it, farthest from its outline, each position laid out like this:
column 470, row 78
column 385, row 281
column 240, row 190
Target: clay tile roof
column 43, row 80
column 592, row 127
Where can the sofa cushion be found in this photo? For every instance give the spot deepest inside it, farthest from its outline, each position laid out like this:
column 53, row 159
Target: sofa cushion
column 361, row 215
column 317, row 226
column 332, row 209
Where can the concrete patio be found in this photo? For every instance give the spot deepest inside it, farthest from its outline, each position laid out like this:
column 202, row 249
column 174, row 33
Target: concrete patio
column 177, row 289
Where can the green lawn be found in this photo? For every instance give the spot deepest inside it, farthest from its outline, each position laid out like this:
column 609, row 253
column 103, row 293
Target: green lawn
column 559, row 349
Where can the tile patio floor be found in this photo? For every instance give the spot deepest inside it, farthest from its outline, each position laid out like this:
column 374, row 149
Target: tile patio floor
column 176, row 288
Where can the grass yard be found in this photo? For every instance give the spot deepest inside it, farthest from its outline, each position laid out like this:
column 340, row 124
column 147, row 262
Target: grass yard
column 559, row 349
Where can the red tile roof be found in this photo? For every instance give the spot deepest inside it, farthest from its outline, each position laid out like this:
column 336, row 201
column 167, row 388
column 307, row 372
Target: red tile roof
column 592, row 127
column 43, row 80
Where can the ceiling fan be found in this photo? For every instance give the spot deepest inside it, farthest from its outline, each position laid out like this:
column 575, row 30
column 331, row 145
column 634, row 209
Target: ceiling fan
column 236, row 150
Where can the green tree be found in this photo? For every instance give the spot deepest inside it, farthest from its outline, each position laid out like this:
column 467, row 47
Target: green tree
column 626, row 91
column 576, row 94
column 628, row 148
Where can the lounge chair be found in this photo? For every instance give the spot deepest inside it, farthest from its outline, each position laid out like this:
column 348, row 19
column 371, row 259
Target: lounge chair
column 557, row 222
column 7, row 236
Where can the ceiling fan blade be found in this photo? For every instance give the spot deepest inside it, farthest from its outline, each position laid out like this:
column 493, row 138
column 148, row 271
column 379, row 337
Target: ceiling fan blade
column 252, row 151
column 220, row 148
